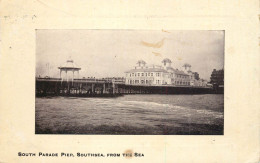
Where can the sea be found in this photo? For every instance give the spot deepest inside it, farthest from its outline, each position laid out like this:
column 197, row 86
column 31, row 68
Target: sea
column 131, row 115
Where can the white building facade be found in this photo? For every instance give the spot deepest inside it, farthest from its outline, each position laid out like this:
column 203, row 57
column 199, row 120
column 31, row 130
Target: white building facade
column 165, row 74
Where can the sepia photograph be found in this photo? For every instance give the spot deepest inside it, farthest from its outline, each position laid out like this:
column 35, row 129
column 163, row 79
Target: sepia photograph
column 129, row 82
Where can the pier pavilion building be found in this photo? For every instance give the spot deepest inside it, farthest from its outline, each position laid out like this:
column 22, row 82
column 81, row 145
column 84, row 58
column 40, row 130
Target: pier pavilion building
column 164, row 74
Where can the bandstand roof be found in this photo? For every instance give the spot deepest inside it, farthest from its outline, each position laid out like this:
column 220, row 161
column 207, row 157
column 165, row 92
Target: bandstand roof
column 69, row 65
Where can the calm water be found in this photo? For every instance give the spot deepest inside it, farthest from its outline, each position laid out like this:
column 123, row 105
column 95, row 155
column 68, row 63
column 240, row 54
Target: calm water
column 131, row 114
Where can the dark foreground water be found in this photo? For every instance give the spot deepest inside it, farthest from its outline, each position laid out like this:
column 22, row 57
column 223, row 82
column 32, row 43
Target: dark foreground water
column 131, row 114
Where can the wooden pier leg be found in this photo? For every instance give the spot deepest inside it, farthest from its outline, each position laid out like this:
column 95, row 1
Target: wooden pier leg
column 113, row 88
column 104, row 88
column 80, row 87
column 68, row 88
column 92, row 88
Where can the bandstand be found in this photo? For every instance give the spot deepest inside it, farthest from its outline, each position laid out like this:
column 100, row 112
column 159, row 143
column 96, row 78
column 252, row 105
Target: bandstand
column 69, row 67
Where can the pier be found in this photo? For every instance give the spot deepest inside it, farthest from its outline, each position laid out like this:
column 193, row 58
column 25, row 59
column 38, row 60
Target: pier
column 112, row 87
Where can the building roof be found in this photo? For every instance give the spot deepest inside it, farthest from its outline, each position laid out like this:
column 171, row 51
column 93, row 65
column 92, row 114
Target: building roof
column 69, row 65
column 180, row 72
column 146, row 70
column 170, row 68
column 176, row 71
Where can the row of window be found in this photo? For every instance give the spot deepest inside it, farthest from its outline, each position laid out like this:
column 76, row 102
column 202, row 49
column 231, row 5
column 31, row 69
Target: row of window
column 182, row 83
column 157, row 82
column 156, row 74
column 140, row 82
column 182, row 76
column 144, row 74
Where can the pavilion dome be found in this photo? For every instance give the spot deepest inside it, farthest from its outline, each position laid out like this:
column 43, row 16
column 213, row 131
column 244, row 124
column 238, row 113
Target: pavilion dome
column 166, row 60
column 141, row 62
column 186, row 65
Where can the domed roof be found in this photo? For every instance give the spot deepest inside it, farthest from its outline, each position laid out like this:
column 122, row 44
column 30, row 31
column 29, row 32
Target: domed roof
column 69, row 65
column 166, row 60
column 186, row 65
column 141, row 62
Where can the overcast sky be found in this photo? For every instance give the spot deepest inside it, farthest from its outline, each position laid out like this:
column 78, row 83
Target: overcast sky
column 109, row 53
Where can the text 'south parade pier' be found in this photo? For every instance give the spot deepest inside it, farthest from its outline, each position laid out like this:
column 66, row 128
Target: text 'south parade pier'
column 143, row 79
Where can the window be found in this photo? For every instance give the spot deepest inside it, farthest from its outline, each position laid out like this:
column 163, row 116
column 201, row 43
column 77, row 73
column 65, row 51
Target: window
column 142, row 74
column 151, row 74
column 138, row 74
column 130, row 75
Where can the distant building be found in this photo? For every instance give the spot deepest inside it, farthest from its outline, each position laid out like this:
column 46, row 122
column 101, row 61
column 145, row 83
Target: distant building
column 164, row 74
column 217, row 77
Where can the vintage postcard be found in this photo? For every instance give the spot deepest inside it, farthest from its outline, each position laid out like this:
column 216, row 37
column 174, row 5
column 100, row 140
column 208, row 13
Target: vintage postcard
column 129, row 81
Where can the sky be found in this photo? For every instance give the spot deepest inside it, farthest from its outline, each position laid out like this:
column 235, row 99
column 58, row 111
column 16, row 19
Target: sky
column 109, row 53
